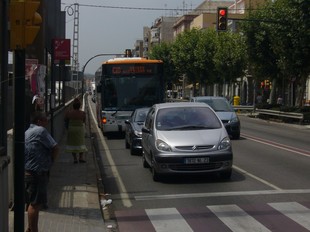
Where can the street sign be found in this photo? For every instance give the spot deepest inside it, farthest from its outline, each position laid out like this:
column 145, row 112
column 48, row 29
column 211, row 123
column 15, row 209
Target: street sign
column 61, row 48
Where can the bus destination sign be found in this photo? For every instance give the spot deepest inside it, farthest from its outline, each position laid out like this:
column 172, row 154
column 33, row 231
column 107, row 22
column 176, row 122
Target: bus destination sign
column 132, row 69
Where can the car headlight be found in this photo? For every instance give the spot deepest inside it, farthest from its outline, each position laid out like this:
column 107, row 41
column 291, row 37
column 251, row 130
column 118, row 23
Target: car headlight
column 234, row 120
column 138, row 133
column 162, row 146
column 224, row 144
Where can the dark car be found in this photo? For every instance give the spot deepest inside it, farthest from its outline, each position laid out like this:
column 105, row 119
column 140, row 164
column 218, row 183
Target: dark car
column 225, row 111
column 133, row 130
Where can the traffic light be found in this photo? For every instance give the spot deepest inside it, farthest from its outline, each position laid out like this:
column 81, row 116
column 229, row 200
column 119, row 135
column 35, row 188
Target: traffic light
column 24, row 23
column 16, row 16
column 128, row 53
column 221, row 23
column 33, row 20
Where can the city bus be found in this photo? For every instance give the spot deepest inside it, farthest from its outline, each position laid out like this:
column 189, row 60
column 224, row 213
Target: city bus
column 123, row 85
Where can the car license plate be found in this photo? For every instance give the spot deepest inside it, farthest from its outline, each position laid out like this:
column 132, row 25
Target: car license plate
column 201, row 160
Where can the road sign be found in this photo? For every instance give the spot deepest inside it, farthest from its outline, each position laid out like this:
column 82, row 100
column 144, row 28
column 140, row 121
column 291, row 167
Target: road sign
column 61, row 48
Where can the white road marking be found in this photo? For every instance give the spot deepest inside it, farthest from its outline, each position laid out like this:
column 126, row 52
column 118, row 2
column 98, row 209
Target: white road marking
column 167, row 220
column 125, row 197
column 221, row 194
column 278, row 145
column 236, row 219
column 294, row 211
column 256, row 178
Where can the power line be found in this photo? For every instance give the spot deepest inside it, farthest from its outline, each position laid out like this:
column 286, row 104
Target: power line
column 160, row 9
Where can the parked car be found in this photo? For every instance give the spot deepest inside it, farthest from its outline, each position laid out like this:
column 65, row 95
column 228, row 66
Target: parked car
column 225, row 111
column 185, row 138
column 133, row 130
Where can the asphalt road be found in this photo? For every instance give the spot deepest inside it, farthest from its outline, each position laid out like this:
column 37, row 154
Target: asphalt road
column 270, row 182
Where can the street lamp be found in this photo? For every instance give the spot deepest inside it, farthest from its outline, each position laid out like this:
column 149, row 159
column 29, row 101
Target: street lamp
column 83, row 69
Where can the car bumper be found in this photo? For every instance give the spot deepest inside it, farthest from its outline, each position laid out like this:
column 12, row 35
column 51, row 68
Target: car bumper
column 233, row 129
column 113, row 128
column 136, row 145
column 173, row 164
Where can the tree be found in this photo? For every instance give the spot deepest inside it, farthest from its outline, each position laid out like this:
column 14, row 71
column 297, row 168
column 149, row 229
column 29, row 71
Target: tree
column 291, row 41
column 206, row 48
column 262, row 60
column 184, row 57
column 162, row 52
column 278, row 43
column 229, row 58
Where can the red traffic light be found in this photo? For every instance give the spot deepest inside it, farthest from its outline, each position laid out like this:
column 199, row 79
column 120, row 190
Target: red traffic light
column 221, row 21
column 222, row 12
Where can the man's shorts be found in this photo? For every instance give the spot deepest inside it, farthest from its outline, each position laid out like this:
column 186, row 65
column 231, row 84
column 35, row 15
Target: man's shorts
column 36, row 189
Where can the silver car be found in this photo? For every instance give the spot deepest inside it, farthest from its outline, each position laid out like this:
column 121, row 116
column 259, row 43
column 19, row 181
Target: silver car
column 225, row 111
column 185, row 138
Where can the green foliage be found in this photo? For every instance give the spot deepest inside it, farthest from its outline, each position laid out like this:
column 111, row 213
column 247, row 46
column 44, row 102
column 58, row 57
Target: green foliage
column 278, row 42
column 162, row 52
column 206, row 57
column 230, row 58
column 206, row 49
column 183, row 53
column 261, row 56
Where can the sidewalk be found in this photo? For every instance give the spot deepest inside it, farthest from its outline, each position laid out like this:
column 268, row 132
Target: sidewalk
column 73, row 198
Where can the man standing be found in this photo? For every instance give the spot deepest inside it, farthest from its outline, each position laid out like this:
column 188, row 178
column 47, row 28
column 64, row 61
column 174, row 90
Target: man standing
column 40, row 152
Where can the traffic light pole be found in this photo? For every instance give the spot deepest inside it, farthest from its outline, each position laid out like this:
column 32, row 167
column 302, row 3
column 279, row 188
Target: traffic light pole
column 19, row 139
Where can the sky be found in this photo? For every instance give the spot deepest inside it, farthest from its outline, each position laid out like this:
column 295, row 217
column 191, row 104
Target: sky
column 111, row 26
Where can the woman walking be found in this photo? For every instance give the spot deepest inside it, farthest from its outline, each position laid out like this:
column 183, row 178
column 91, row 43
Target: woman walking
column 75, row 120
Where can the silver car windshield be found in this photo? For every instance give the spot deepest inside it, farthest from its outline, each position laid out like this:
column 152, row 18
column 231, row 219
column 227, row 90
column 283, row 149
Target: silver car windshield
column 187, row 118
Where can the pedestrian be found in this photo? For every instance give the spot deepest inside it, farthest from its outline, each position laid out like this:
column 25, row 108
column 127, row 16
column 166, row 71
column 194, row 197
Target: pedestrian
column 279, row 100
column 40, row 152
column 259, row 99
column 75, row 121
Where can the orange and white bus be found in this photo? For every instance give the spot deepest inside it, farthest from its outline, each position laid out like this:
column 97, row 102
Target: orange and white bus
column 124, row 84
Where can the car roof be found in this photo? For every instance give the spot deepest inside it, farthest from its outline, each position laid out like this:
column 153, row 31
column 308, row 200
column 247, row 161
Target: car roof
column 180, row 104
column 142, row 109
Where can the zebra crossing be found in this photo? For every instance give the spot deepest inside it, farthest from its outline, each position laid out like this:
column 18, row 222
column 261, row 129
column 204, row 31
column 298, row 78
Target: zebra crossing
column 264, row 217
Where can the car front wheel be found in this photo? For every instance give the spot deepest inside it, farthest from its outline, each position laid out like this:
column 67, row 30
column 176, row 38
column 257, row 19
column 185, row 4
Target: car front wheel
column 155, row 175
column 145, row 164
column 127, row 145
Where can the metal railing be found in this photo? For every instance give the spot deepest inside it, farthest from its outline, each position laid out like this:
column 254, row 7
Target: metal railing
column 281, row 114
column 244, row 108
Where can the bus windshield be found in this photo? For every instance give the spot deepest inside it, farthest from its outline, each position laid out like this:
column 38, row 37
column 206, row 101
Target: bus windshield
column 130, row 92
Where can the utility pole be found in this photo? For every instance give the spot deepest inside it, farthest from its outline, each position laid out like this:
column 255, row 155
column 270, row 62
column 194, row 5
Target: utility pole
column 4, row 200
column 75, row 63
column 19, row 139
column 25, row 24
